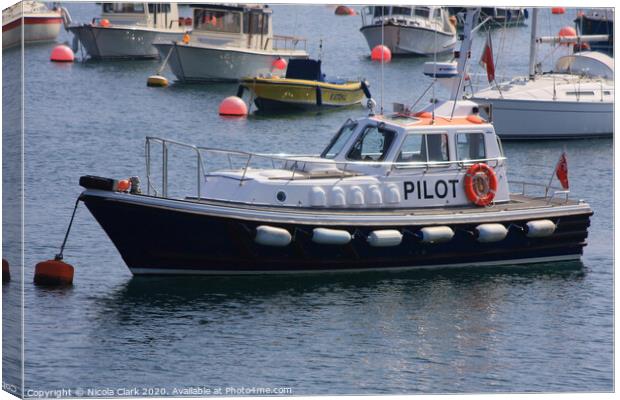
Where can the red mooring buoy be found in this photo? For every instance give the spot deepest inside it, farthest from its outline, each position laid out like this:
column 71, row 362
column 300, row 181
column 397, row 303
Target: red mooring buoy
column 6, row 273
column 381, row 53
column 568, row 31
column 279, row 63
column 344, row 10
column 233, row 106
column 558, row 10
column 62, row 53
column 53, row 273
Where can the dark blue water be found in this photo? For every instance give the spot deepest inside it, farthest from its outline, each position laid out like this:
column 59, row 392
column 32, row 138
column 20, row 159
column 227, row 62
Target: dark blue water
column 537, row 329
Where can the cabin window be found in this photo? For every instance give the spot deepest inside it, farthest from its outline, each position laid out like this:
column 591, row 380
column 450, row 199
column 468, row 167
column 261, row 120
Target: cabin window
column 406, row 11
column 584, row 93
column 470, row 146
column 217, row 21
column 372, row 145
column 342, row 137
column 123, row 8
column 423, row 12
column 424, row 148
column 381, row 11
column 437, row 13
column 159, row 8
column 255, row 23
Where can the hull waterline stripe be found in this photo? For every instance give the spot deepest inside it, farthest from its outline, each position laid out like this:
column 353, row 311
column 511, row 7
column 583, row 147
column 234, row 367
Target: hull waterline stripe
column 504, row 263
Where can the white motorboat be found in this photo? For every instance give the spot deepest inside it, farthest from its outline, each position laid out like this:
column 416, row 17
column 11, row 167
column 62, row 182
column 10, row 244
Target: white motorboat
column 407, row 30
column 405, row 190
column 574, row 101
column 229, row 43
column 128, row 30
column 40, row 24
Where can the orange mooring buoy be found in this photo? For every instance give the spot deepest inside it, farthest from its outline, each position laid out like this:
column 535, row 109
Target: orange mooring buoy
column 568, row 32
column 233, row 106
column 53, row 272
column 62, row 53
column 381, row 53
column 6, row 273
column 279, row 63
column 558, row 10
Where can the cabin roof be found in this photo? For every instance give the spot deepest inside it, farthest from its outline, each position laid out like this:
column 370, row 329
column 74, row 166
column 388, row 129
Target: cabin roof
column 240, row 8
column 426, row 119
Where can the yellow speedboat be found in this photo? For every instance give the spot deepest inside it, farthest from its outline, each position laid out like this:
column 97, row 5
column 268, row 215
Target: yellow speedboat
column 304, row 87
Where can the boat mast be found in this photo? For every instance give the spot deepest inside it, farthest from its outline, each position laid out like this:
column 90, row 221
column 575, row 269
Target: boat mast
column 465, row 50
column 533, row 42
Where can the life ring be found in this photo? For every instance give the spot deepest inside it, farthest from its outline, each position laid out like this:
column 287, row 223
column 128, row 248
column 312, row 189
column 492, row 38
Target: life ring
column 480, row 184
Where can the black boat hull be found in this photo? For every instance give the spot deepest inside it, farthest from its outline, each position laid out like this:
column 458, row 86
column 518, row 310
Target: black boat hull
column 163, row 236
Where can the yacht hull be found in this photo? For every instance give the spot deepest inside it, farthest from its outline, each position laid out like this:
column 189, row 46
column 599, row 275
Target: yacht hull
column 166, row 236
column 200, row 63
column 120, row 42
column 35, row 29
column 407, row 40
column 540, row 119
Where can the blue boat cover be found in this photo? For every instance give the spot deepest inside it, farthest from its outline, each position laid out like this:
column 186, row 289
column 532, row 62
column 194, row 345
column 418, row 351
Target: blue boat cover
column 306, row 69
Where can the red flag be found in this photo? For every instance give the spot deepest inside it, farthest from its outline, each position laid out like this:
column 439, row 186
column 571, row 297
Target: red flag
column 561, row 171
column 487, row 58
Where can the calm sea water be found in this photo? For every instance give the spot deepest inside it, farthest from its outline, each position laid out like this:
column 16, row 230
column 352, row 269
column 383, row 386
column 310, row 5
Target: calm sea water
column 547, row 328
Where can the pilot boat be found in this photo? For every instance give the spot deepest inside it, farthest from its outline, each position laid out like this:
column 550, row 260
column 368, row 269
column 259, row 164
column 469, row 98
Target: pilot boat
column 40, row 24
column 128, row 30
column 229, row 43
column 304, row 87
column 423, row 189
column 405, row 30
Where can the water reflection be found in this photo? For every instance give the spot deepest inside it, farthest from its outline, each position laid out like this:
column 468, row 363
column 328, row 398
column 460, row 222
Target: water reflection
column 169, row 292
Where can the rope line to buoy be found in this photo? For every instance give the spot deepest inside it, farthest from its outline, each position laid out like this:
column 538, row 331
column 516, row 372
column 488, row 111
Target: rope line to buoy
column 58, row 256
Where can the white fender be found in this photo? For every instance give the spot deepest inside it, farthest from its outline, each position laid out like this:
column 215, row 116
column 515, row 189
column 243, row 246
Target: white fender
column 385, row 238
column 436, row 234
column 488, row 233
column 272, row 236
column 318, row 198
column 540, row 228
column 356, row 196
column 374, row 195
column 330, row 236
column 337, row 197
column 392, row 195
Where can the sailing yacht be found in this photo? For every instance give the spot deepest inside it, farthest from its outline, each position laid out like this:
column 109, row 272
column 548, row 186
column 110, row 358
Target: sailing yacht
column 573, row 101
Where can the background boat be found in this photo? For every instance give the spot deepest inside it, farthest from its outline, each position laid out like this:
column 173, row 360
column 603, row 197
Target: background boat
column 419, row 31
column 229, row 43
column 304, row 87
column 598, row 21
column 128, row 30
column 40, row 24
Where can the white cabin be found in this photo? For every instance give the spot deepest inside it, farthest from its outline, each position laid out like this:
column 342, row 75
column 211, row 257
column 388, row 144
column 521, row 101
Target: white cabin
column 248, row 26
column 151, row 15
column 383, row 161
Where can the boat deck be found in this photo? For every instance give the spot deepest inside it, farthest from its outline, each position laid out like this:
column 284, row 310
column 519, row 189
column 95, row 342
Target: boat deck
column 518, row 202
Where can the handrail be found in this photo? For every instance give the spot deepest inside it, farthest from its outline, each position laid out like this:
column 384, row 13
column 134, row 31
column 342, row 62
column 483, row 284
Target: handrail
column 294, row 161
column 547, row 188
column 165, row 143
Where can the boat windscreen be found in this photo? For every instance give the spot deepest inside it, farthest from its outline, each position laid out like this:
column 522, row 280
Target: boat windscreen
column 423, row 12
column 339, row 140
column 406, row 11
column 123, row 8
column 217, row 21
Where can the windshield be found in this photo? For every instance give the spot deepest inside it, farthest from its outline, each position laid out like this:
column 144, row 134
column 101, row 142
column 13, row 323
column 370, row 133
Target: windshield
column 338, row 141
